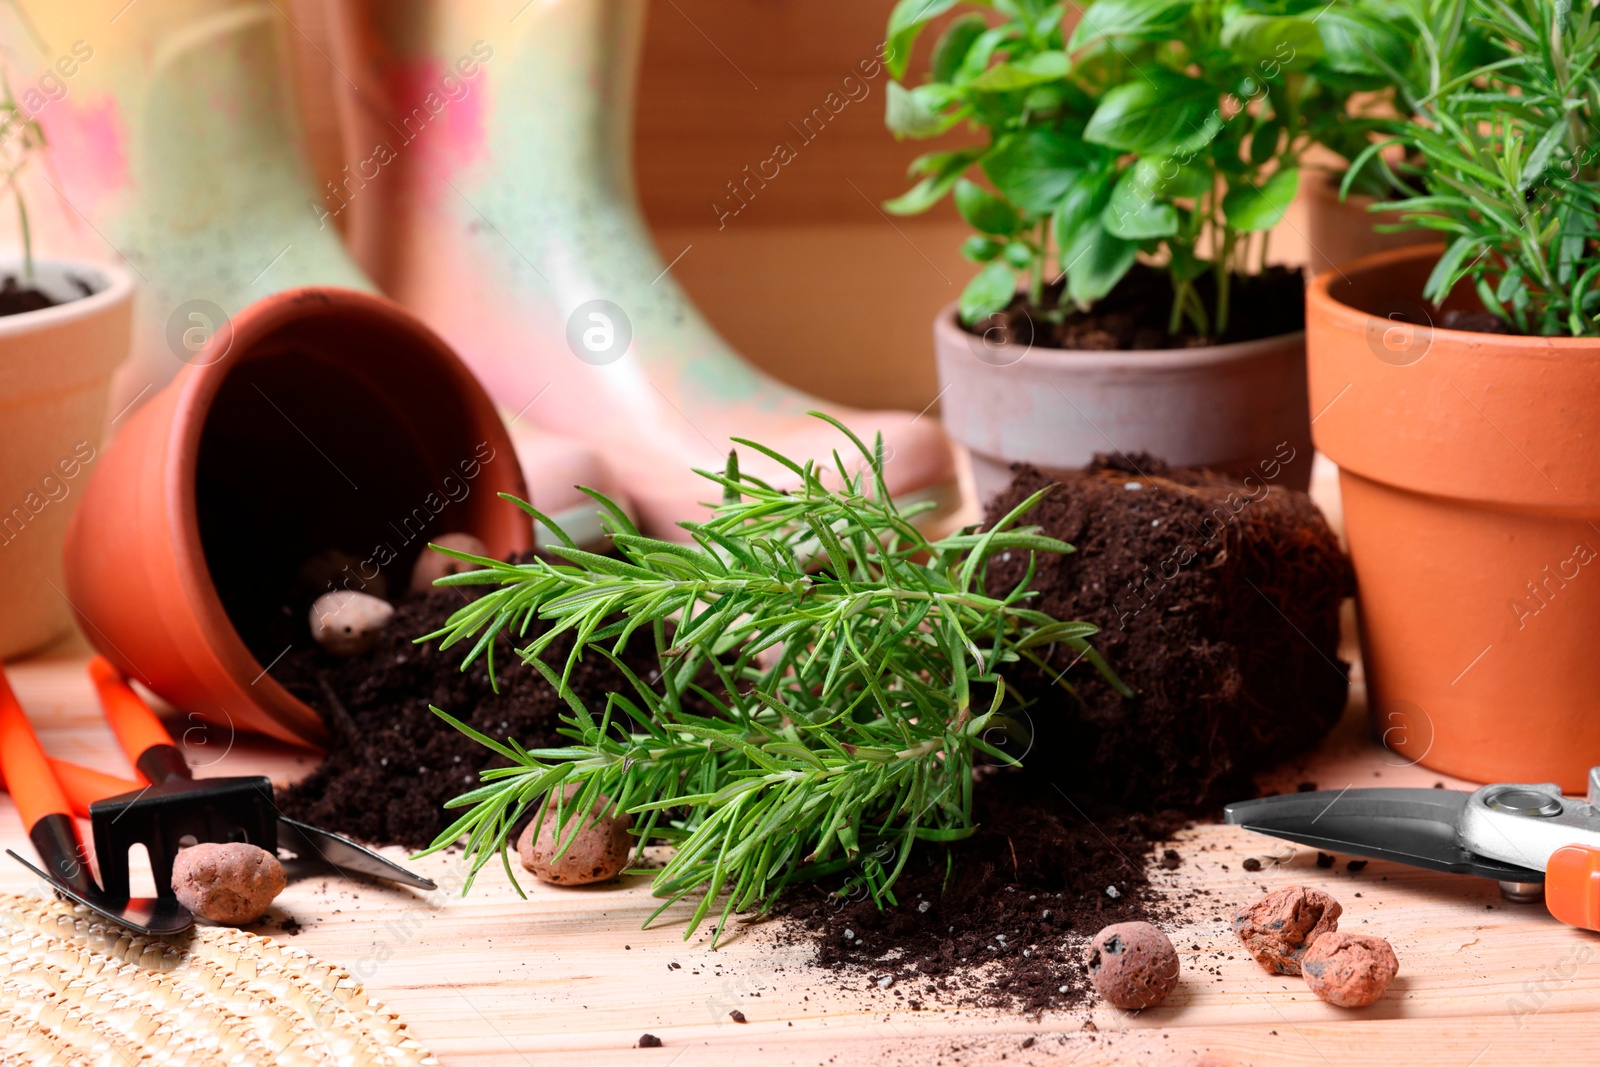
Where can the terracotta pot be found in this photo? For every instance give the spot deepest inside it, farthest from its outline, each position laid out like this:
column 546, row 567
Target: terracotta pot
column 1239, row 408
column 323, row 419
column 55, row 372
column 1340, row 231
column 1470, row 471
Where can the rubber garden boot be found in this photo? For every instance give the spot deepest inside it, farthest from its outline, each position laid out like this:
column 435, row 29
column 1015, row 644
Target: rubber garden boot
column 175, row 145
column 492, row 194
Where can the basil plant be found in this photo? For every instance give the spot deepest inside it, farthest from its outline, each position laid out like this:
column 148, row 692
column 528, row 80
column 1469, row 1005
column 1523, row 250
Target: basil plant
column 1172, row 130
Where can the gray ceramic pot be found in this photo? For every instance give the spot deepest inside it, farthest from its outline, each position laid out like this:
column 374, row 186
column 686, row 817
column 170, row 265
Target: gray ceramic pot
column 1238, row 408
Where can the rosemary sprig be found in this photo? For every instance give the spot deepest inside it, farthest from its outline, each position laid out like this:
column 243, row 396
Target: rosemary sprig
column 826, row 676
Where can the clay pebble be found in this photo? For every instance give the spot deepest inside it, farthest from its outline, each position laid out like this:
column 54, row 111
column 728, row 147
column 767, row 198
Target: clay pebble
column 1133, row 965
column 348, row 623
column 598, row 853
column 230, row 882
column 1282, row 925
column 1349, row 970
column 431, row 565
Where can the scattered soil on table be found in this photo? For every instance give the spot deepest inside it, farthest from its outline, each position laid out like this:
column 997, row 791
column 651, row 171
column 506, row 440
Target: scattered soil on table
column 16, row 299
column 1225, row 687
column 1006, row 923
column 391, row 762
column 1218, row 604
column 1134, row 315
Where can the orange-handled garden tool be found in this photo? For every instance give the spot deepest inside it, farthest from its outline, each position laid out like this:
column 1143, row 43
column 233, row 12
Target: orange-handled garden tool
column 1529, row 838
column 47, row 814
column 176, row 809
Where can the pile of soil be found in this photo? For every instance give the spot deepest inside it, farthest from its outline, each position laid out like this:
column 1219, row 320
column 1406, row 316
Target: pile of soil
column 391, row 762
column 1005, row 923
column 1218, row 604
column 1134, row 315
column 1232, row 655
column 16, row 298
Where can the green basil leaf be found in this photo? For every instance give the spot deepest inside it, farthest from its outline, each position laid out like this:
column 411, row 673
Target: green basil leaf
column 1034, row 168
column 921, row 112
column 1249, row 209
column 1173, row 180
column 1271, row 42
column 981, row 249
column 1155, row 111
column 1082, row 204
column 942, row 169
column 1145, row 19
column 905, row 24
column 1138, row 210
column 1095, row 262
column 984, row 211
column 1354, row 42
column 989, row 291
column 1020, row 255
column 1035, row 70
column 1264, row 142
column 954, row 44
column 982, row 50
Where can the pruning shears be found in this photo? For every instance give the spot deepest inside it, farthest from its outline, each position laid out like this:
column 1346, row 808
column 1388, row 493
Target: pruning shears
column 1528, row 837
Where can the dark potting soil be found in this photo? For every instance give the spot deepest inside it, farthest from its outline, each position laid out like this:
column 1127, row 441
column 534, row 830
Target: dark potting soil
column 1134, row 315
column 16, row 298
column 1477, row 322
column 1218, row 604
column 392, row 763
column 1001, row 919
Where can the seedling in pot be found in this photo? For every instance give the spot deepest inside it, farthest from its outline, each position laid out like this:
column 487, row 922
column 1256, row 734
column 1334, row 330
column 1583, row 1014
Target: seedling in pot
column 20, row 137
column 826, row 677
column 1172, row 130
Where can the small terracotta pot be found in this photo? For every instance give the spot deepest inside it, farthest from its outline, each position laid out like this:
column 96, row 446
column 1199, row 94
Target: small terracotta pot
column 319, row 419
column 1341, row 231
column 1238, row 408
column 55, row 371
column 1470, row 472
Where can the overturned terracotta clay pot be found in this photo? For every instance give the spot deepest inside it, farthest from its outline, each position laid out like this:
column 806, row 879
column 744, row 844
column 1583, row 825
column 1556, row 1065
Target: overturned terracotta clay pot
column 317, row 419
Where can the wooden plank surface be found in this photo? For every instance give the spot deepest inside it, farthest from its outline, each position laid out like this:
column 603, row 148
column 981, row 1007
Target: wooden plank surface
column 568, row 976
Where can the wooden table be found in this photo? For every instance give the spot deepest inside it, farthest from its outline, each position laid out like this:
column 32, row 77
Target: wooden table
column 493, row 979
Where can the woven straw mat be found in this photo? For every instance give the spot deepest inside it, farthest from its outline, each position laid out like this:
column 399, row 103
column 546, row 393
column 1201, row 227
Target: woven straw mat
column 75, row 989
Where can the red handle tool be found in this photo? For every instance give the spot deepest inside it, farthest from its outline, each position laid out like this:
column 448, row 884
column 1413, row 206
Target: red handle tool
column 144, row 740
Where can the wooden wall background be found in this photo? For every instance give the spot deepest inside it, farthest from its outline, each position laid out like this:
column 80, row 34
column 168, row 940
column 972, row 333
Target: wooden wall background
column 810, row 280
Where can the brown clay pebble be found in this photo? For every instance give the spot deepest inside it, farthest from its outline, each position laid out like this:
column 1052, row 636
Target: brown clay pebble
column 1349, row 970
column 348, row 623
column 649, row 1041
column 599, row 852
column 230, row 883
column 1133, row 965
column 1282, row 925
column 431, row 565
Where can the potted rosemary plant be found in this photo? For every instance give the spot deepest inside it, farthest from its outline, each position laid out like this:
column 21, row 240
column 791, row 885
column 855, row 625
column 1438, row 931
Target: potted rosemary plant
column 827, row 677
column 1135, row 163
column 64, row 327
column 1398, row 66
column 1460, row 397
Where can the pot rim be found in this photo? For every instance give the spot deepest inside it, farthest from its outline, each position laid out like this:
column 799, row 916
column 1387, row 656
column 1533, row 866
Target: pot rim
column 947, row 327
column 1319, row 296
column 117, row 290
